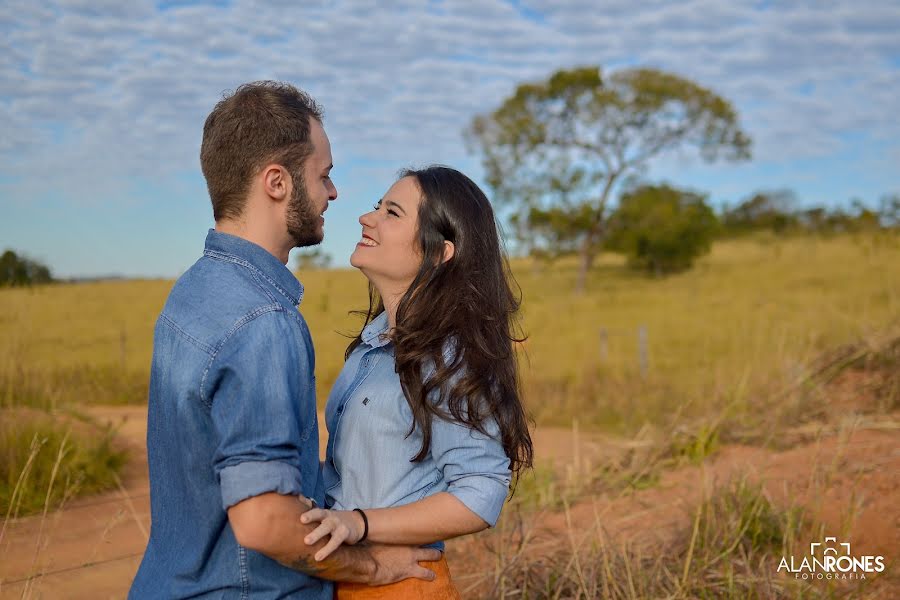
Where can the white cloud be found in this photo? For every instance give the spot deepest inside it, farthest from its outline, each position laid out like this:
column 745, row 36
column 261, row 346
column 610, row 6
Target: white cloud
column 122, row 87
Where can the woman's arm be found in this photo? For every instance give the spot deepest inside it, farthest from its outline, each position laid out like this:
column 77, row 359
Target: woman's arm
column 438, row 517
column 270, row 524
column 476, row 470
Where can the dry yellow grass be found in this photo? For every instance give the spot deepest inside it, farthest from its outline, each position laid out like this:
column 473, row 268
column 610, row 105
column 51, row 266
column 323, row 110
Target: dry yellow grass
column 748, row 316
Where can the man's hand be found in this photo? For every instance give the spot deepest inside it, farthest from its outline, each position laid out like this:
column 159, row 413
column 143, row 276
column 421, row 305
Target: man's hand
column 270, row 523
column 395, row 563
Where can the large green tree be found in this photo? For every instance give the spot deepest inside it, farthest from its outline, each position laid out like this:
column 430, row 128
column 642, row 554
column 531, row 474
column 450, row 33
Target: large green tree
column 556, row 149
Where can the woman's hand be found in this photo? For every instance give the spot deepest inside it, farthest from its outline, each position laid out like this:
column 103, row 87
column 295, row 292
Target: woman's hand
column 344, row 526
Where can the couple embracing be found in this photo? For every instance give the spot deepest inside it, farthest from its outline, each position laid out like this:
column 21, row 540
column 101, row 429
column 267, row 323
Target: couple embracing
column 426, row 427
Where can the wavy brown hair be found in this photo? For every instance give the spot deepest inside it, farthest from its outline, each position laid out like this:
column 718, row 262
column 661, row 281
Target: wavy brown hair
column 457, row 323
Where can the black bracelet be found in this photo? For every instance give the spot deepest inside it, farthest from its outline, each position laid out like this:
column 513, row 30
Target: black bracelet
column 365, row 525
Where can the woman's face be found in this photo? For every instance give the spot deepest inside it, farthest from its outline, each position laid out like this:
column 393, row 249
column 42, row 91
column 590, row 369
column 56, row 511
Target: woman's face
column 388, row 253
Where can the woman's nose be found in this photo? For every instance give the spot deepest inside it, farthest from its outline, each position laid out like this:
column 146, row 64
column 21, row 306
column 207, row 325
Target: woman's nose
column 366, row 220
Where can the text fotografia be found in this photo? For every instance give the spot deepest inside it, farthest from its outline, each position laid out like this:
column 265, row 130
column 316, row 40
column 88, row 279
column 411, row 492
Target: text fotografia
column 834, row 563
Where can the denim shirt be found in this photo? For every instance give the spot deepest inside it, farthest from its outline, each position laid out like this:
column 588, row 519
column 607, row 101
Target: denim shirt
column 368, row 461
column 232, row 415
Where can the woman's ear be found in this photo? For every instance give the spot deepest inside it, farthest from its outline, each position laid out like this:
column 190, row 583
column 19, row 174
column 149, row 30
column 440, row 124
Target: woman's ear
column 449, row 251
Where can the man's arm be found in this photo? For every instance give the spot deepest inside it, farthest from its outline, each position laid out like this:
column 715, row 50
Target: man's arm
column 270, row 524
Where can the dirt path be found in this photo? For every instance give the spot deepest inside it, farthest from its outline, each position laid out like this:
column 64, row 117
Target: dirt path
column 847, row 480
column 93, row 547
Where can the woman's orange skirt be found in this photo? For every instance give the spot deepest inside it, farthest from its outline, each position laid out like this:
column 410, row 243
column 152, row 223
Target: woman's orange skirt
column 408, row 589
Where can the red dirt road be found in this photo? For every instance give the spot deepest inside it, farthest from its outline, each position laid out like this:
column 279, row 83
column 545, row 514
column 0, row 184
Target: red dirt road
column 849, row 477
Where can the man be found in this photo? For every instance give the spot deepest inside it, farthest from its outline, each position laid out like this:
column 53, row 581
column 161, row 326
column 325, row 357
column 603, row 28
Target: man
column 232, row 437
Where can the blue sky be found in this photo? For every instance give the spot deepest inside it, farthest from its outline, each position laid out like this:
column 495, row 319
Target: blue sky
column 102, row 102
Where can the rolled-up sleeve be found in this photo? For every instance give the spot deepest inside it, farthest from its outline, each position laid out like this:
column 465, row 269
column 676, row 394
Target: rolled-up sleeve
column 474, row 466
column 256, row 381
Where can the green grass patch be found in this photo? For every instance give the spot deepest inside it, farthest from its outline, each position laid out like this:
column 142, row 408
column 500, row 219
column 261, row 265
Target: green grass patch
column 44, row 462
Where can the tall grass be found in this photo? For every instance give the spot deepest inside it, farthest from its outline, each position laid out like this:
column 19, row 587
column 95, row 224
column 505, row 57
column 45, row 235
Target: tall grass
column 723, row 343
column 43, row 461
column 729, row 547
column 742, row 324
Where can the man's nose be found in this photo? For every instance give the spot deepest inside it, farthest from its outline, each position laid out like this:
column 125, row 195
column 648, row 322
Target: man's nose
column 332, row 191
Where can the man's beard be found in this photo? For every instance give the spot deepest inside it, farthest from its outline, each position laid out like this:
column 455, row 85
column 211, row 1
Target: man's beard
column 302, row 220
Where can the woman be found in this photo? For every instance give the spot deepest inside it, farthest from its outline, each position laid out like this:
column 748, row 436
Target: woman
column 426, row 426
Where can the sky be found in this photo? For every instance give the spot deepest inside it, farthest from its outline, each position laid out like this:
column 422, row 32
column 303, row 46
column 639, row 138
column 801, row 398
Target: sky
column 102, row 102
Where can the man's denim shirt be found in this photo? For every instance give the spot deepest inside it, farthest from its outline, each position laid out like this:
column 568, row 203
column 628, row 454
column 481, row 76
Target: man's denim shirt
column 368, row 457
column 232, row 415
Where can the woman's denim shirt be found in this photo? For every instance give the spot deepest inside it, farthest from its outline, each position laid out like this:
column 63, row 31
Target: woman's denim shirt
column 368, row 462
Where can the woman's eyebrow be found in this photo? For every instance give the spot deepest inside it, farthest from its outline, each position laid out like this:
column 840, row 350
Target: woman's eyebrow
column 392, row 203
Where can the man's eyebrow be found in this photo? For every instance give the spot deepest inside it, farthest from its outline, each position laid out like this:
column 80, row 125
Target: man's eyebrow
column 392, row 203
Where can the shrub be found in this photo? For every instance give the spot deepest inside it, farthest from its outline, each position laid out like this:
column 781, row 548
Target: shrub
column 662, row 229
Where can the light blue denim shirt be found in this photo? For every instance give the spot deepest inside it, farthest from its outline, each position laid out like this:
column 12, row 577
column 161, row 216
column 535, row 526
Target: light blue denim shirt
column 232, row 415
column 368, row 463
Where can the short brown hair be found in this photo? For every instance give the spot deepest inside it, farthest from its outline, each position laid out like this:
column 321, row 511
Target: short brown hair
column 259, row 123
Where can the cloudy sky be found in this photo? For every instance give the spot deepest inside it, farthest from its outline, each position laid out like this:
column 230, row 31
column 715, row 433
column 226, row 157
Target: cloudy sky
column 102, row 102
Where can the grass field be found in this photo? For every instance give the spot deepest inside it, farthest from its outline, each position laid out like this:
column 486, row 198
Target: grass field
column 677, row 367
column 718, row 341
column 749, row 317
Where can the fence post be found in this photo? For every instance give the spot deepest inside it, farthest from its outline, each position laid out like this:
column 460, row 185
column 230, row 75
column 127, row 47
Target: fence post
column 642, row 350
column 123, row 348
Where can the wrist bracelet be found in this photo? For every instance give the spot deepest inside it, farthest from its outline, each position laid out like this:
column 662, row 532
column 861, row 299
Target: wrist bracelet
column 365, row 525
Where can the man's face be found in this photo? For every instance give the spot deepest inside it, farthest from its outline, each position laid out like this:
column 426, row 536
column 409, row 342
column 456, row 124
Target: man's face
column 311, row 192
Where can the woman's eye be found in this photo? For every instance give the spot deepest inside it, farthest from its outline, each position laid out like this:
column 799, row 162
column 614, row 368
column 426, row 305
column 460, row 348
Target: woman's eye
column 391, row 211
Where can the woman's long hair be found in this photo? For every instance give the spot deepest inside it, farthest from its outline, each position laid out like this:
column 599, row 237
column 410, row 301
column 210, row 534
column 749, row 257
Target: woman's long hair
column 463, row 309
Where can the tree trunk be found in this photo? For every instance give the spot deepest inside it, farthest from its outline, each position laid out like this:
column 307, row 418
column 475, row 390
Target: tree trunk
column 586, row 255
column 587, row 260
column 592, row 241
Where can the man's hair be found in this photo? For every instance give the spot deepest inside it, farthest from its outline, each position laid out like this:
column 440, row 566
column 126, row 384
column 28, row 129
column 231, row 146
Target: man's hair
column 259, row 123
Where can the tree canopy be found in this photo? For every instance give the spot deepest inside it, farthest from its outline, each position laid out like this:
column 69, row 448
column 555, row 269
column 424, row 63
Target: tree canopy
column 556, row 149
column 18, row 270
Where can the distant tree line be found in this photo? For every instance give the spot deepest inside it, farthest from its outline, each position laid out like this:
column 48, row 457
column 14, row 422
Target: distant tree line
column 17, row 270
column 779, row 211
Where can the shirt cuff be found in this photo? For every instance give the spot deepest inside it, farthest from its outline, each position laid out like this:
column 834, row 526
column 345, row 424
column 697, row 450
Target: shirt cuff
column 481, row 494
column 253, row 478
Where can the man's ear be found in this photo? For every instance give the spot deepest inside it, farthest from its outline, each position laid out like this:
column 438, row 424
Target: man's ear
column 276, row 182
column 449, row 251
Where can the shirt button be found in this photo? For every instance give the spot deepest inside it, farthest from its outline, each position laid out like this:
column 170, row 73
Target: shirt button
column 340, row 409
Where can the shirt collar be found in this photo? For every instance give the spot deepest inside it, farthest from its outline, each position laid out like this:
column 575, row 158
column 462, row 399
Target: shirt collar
column 257, row 258
column 375, row 333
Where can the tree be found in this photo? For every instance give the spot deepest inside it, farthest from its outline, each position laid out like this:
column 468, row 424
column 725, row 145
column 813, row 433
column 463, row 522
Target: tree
column 310, row 259
column 557, row 148
column 18, row 270
column 662, row 229
column 773, row 209
column 889, row 211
